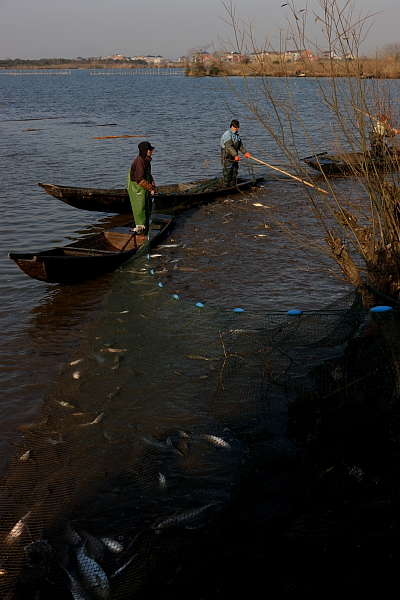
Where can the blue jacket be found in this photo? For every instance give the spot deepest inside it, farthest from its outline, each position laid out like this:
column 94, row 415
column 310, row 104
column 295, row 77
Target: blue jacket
column 232, row 142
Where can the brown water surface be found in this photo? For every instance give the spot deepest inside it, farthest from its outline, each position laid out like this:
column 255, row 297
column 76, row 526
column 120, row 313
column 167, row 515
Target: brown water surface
column 229, row 253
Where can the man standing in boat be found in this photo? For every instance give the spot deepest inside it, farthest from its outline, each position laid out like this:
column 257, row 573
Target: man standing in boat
column 381, row 132
column 141, row 186
column 231, row 144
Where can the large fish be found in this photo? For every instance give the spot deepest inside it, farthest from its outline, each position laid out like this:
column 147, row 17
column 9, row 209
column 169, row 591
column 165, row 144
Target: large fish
column 93, row 576
column 77, row 591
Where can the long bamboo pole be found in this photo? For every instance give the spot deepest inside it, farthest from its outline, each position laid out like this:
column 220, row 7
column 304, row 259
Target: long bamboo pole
column 366, row 114
column 108, row 137
column 289, row 175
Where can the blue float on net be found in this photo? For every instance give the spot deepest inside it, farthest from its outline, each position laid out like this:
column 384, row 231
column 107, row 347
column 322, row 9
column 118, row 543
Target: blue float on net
column 160, row 284
column 380, row 309
column 176, row 296
column 238, row 310
column 199, row 305
column 294, row 313
column 152, row 272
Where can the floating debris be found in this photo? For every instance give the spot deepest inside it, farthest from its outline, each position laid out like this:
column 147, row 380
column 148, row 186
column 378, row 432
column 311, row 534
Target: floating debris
column 76, row 375
column 25, row 456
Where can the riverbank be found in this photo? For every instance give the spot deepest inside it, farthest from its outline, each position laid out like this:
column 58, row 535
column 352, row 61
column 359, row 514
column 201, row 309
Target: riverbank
column 362, row 68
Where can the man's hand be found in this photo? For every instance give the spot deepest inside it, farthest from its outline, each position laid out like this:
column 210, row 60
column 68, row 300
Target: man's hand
column 247, row 155
column 152, row 192
column 237, row 158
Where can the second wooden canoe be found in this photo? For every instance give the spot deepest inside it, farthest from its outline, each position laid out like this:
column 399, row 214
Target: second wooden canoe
column 177, row 196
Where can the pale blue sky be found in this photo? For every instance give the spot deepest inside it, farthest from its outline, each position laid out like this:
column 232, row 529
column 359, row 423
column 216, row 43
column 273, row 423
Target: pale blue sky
column 53, row 28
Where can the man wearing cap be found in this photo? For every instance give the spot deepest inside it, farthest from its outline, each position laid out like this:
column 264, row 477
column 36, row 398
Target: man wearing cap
column 140, row 186
column 381, row 138
column 231, row 144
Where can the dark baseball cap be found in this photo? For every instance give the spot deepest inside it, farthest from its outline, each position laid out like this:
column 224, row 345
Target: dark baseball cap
column 144, row 146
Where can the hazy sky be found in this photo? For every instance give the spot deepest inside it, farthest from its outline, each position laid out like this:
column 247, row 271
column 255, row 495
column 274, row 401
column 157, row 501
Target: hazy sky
column 66, row 29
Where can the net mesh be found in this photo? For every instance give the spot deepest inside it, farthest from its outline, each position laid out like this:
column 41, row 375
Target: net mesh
column 146, row 452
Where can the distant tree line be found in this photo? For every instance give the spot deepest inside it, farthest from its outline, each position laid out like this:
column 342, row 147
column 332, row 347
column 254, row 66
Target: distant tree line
column 43, row 63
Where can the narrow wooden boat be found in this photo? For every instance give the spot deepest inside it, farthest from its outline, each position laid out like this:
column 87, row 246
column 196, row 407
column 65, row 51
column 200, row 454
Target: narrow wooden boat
column 177, row 196
column 91, row 256
column 350, row 162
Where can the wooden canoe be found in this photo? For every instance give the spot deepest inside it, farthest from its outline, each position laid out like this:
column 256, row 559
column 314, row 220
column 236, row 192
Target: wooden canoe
column 177, row 196
column 91, row 256
column 350, row 162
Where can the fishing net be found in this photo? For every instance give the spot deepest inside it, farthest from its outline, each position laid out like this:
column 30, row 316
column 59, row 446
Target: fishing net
column 152, row 447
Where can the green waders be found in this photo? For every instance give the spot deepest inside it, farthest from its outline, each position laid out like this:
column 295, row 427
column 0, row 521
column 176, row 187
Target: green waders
column 140, row 200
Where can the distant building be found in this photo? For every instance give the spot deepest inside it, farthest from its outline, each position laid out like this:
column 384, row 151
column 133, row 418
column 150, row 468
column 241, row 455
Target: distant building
column 307, row 55
column 331, row 55
column 263, row 55
column 203, row 57
column 291, row 55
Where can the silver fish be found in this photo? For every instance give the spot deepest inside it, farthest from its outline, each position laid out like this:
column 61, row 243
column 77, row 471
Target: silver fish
column 183, row 518
column 123, row 566
column 93, row 576
column 162, row 480
column 75, row 362
column 97, row 420
column 199, row 356
column 217, row 441
column 112, row 545
column 25, row 455
column 114, row 350
column 17, row 530
column 66, row 404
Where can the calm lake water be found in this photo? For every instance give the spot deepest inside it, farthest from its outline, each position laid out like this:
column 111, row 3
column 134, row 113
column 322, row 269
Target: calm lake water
column 229, row 255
